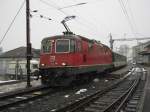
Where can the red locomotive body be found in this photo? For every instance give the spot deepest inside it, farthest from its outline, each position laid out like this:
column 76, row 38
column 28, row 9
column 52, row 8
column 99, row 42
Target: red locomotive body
column 65, row 58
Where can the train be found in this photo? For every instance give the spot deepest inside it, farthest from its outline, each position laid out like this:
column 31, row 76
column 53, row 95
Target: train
column 68, row 57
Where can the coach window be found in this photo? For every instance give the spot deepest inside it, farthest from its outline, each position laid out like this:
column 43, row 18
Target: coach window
column 62, row 45
column 46, row 46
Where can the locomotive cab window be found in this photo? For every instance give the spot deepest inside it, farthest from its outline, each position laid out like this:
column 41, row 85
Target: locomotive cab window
column 62, row 45
column 72, row 45
column 46, row 46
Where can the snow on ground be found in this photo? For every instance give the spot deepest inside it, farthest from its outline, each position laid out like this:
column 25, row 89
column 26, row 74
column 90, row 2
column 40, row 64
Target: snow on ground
column 12, row 87
column 81, row 91
column 7, row 81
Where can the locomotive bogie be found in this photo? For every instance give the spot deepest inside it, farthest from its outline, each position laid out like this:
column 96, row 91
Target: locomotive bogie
column 65, row 75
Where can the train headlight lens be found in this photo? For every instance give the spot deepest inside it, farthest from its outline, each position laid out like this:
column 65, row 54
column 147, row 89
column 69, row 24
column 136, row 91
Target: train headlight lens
column 42, row 64
column 63, row 64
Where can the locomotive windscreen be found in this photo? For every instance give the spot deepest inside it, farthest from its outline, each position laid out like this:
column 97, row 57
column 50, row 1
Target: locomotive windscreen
column 62, row 45
column 65, row 45
column 46, row 46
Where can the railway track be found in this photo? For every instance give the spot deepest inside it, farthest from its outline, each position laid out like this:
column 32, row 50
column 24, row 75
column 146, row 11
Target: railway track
column 134, row 102
column 110, row 99
column 23, row 95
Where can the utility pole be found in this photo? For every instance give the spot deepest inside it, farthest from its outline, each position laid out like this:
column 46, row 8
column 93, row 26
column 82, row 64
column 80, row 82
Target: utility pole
column 111, row 41
column 28, row 43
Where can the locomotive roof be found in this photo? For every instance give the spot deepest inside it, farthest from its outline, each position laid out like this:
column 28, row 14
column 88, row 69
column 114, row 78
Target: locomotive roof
column 73, row 36
column 68, row 36
column 61, row 36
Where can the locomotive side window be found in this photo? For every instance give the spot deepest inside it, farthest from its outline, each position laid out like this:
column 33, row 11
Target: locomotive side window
column 79, row 47
column 72, row 45
column 90, row 46
column 62, row 45
column 46, row 46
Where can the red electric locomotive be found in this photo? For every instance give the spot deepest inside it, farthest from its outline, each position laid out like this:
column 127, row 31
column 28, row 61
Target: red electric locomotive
column 69, row 57
column 65, row 58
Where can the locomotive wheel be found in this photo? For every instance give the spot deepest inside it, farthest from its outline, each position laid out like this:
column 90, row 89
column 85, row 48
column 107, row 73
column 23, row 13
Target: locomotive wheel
column 56, row 81
column 44, row 81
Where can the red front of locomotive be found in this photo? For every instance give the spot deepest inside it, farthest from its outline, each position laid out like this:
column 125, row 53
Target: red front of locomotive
column 64, row 57
column 60, row 51
column 60, row 56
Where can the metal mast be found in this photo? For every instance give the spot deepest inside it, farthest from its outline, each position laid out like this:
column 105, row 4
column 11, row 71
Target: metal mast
column 28, row 43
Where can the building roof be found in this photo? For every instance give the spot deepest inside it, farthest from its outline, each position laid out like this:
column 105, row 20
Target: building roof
column 145, row 53
column 142, row 44
column 20, row 53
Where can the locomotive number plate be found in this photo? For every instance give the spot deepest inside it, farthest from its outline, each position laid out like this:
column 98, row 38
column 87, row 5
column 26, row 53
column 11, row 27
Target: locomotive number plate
column 52, row 59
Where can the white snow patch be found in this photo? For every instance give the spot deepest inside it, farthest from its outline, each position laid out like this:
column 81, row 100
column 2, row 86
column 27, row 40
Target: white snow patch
column 66, row 96
column 7, row 81
column 53, row 110
column 81, row 91
column 20, row 97
column 96, row 80
column 93, row 86
column 106, row 80
column 137, row 69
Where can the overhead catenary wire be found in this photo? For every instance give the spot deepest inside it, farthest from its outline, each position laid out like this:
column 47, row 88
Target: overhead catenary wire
column 132, row 17
column 126, row 15
column 88, row 23
column 3, row 37
column 55, row 7
column 67, row 14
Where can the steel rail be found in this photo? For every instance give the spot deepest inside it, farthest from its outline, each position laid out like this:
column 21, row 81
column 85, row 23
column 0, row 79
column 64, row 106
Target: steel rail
column 24, row 96
column 21, row 91
column 81, row 103
column 123, row 98
column 126, row 99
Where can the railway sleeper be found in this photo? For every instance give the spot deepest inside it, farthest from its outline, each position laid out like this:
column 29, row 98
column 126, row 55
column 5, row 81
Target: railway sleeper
column 91, row 110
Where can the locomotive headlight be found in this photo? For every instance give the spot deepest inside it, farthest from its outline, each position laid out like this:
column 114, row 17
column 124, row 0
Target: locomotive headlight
column 63, row 64
column 42, row 64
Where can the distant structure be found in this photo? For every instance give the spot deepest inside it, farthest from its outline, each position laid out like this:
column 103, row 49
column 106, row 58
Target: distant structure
column 141, row 53
column 16, row 56
column 1, row 50
column 124, row 50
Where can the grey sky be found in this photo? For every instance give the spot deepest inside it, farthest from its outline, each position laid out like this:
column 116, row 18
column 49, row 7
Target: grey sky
column 94, row 20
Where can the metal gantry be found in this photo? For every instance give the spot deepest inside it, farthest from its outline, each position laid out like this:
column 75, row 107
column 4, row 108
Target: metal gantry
column 124, row 39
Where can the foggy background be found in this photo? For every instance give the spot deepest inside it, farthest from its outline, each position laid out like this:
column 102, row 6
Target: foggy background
column 94, row 20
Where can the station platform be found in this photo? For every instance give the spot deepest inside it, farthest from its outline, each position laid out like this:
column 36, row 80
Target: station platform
column 8, row 82
column 146, row 103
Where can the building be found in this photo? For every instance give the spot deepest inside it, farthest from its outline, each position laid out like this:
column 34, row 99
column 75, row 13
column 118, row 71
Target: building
column 15, row 56
column 141, row 53
column 1, row 50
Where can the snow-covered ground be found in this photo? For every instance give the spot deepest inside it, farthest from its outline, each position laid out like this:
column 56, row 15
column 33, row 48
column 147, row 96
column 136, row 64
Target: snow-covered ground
column 12, row 87
column 7, row 81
